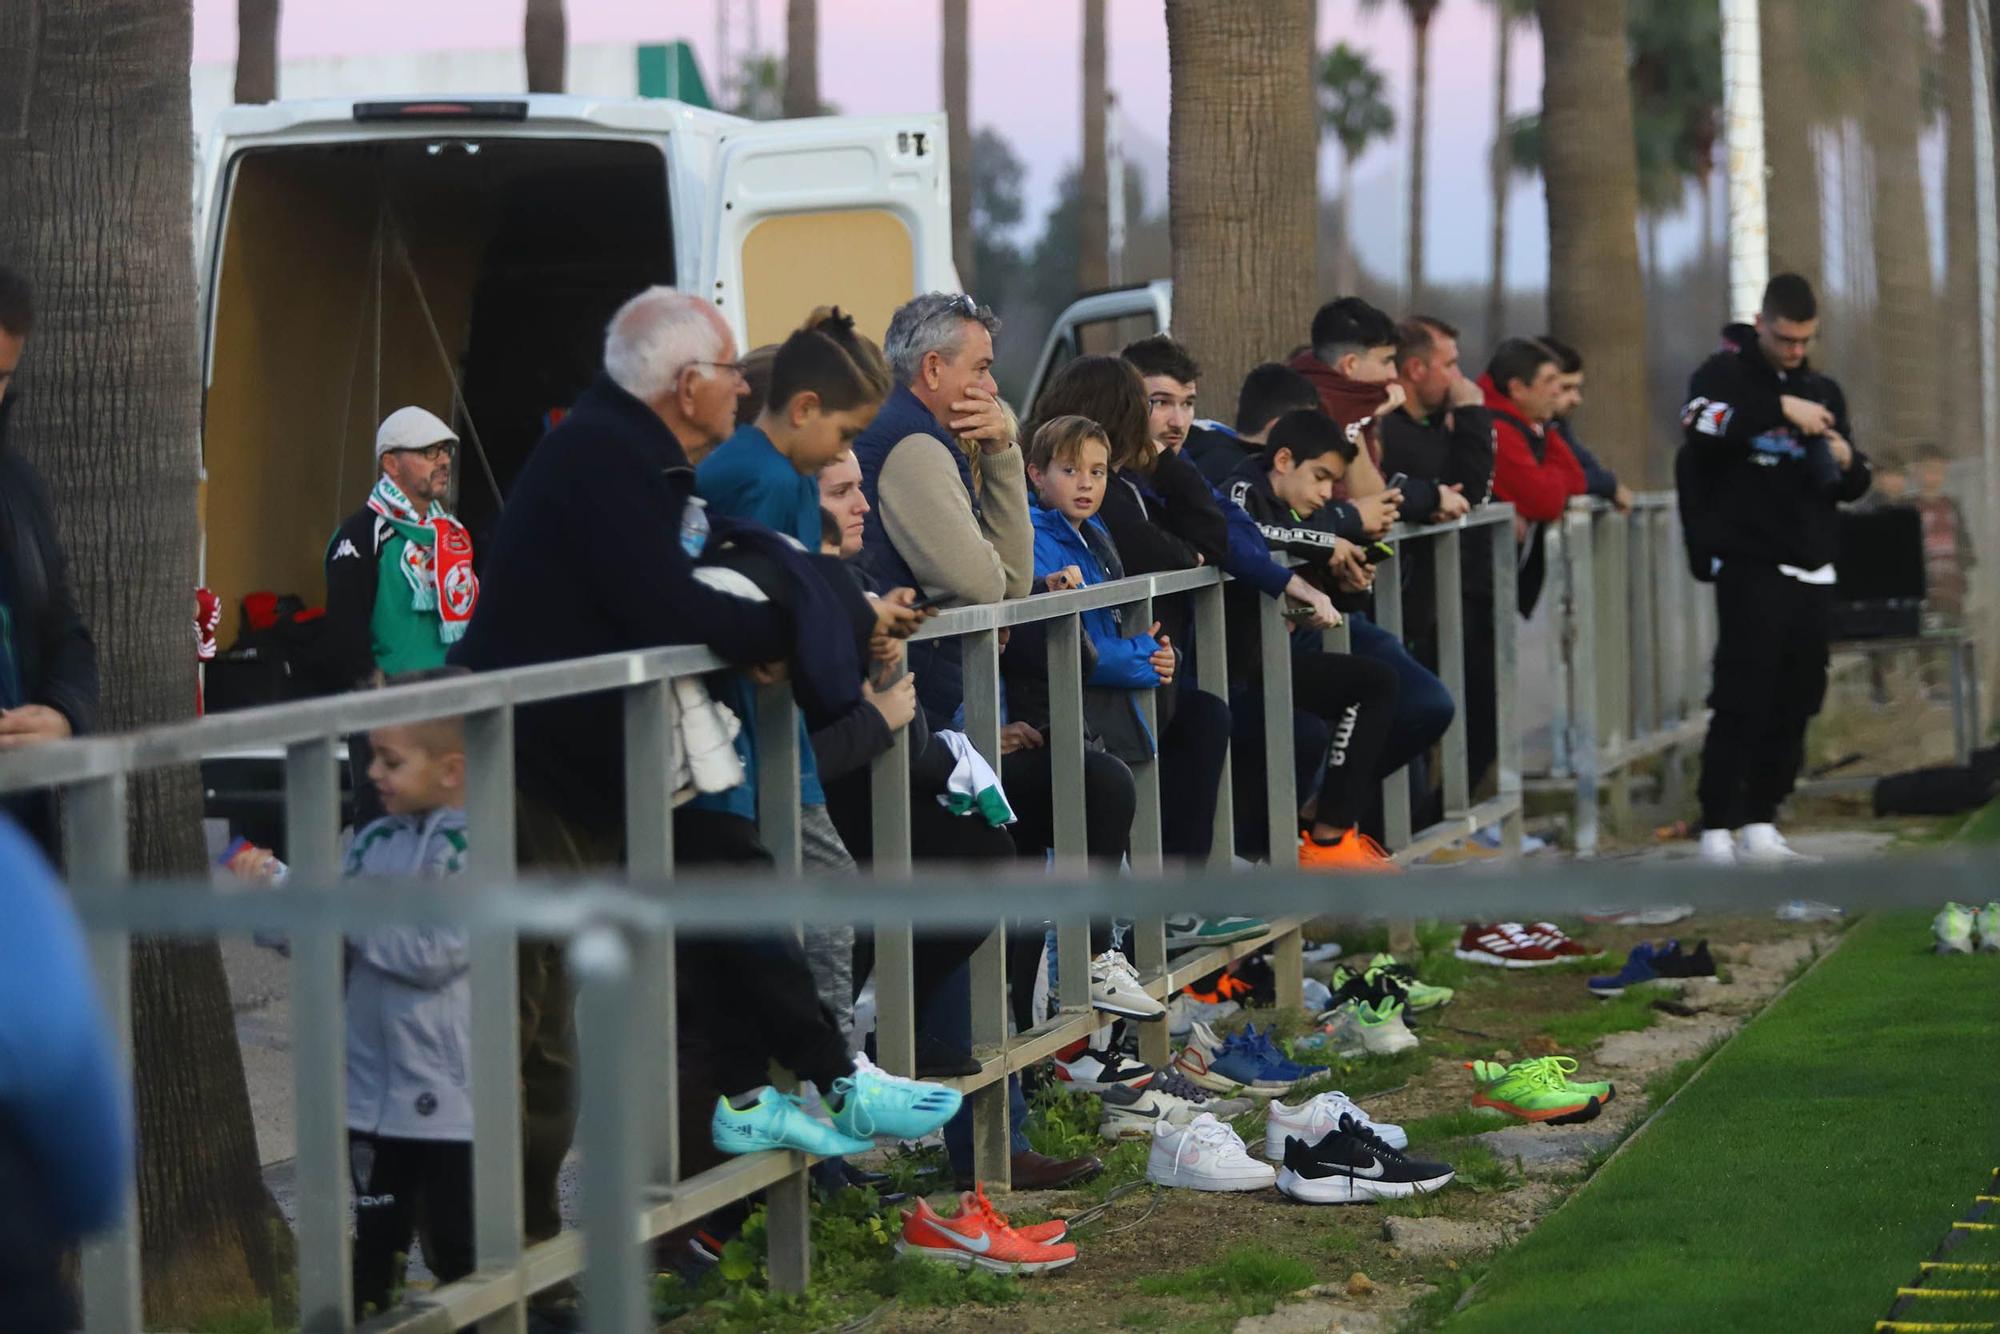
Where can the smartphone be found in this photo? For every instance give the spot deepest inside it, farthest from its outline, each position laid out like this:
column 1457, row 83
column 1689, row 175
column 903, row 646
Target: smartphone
column 1377, row 552
column 928, row 602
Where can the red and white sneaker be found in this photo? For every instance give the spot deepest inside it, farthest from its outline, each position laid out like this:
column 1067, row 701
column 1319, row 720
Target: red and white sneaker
column 1042, row 1234
column 1553, row 938
column 980, row 1237
column 1503, row 945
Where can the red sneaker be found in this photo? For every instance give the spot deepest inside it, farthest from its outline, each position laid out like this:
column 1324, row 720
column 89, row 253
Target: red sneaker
column 1553, row 938
column 1352, row 851
column 1042, row 1234
column 1503, row 945
column 978, row 1237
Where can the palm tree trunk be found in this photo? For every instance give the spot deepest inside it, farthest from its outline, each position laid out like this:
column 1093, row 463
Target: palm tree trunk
column 1346, row 272
column 1241, row 206
column 1502, row 177
column 1793, row 193
column 1961, row 410
column 802, row 58
column 1420, row 82
column 1906, row 305
column 958, row 114
column 1591, row 175
column 256, row 51
column 97, row 188
column 545, row 43
column 1093, row 255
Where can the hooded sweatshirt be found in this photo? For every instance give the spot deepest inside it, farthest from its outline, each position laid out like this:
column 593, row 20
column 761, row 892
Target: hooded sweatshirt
column 1751, row 488
column 1532, row 467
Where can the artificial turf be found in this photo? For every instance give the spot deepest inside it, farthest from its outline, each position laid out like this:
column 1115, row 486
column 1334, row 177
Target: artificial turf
column 1799, row 1180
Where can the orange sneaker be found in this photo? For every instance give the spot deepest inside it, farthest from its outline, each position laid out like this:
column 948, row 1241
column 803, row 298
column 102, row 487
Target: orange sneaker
column 979, row 1237
column 1042, row 1234
column 1353, row 851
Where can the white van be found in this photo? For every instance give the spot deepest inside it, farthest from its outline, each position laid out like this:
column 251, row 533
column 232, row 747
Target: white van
column 465, row 254
column 1102, row 323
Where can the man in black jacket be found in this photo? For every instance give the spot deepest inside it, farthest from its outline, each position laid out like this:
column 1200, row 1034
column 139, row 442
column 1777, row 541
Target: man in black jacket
column 1764, row 462
column 1269, row 392
column 48, row 663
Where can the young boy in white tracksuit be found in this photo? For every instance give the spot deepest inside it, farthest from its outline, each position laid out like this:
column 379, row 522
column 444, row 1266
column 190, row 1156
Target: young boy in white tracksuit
column 409, row 1021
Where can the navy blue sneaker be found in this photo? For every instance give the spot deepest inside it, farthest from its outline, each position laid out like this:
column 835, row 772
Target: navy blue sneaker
column 1275, row 1060
column 1638, row 968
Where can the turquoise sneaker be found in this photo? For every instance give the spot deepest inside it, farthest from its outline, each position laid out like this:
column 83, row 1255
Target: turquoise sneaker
column 873, row 1102
column 776, row 1121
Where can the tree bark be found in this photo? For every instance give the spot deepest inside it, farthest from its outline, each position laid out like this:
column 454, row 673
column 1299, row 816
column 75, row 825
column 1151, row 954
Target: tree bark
column 1093, row 251
column 1906, row 303
column 1591, row 175
column 802, row 58
column 1793, row 192
column 256, row 51
column 1960, row 410
column 1346, row 272
column 1420, row 83
column 97, row 189
column 1242, row 182
column 545, row 43
column 958, row 114
column 1502, row 175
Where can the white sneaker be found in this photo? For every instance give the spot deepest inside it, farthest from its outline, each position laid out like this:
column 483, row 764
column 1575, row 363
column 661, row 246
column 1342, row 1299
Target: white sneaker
column 1129, row 1113
column 1313, row 1119
column 1204, row 1155
column 1763, row 845
column 1115, row 988
column 1094, row 1071
column 1953, row 929
column 1185, row 1012
column 1718, row 847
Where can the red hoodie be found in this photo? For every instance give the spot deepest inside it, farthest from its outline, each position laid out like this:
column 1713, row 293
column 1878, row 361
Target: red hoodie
column 1532, row 468
column 1353, row 405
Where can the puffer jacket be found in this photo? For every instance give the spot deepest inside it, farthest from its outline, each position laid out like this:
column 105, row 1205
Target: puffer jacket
column 409, row 994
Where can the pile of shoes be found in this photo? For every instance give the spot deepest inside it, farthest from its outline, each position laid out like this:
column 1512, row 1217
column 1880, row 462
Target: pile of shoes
column 1249, row 1060
column 1954, row 928
column 1652, row 961
column 1538, row 1089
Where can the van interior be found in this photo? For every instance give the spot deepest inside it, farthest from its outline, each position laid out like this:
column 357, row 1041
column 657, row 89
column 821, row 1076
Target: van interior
column 355, row 278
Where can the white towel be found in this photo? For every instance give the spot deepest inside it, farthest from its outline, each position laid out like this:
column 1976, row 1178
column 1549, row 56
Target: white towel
column 974, row 787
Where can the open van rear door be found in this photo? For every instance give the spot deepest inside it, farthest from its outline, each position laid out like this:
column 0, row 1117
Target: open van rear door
column 848, row 212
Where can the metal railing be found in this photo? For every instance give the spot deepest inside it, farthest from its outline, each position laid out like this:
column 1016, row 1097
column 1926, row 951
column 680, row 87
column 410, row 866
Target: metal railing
column 622, row 941
column 1631, row 636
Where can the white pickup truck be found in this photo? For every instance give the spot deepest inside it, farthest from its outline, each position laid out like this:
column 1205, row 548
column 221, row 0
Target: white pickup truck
column 464, row 253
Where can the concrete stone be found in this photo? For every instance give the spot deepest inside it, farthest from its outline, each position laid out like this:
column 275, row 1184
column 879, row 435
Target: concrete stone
column 1542, row 1150
column 1318, row 1316
column 1666, row 1043
column 1428, row 1238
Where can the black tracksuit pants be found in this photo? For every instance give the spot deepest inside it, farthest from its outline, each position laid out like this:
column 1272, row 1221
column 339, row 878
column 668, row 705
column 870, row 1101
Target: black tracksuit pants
column 1769, row 681
column 1356, row 698
column 392, row 1177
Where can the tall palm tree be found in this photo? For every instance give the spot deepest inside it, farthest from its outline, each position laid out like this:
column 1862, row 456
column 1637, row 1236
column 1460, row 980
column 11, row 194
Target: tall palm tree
column 545, row 44
column 1590, row 172
column 256, row 51
column 1506, row 14
column 1905, row 302
column 958, row 115
column 1421, row 12
column 1353, row 110
column 802, row 58
column 1093, row 256
column 1241, row 206
column 1961, row 411
column 1792, row 199
column 94, row 167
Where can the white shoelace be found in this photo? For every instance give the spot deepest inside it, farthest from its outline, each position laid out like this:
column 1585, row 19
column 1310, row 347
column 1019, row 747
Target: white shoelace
column 1117, row 970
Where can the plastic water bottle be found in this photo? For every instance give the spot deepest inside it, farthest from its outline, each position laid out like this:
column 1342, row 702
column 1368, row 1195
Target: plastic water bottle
column 694, row 527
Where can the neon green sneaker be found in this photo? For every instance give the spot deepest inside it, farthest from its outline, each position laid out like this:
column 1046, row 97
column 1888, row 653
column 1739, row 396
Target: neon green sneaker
column 1600, row 1089
column 1953, row 929
column 1987, row 922
column 1531, row 1091
column 1420, row 995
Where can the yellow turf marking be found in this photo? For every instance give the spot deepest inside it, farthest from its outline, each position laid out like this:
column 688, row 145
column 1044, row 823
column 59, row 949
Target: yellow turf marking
column 1927, row 1327
column 1948, row 1292
column 1960, row 1265
column 1975, row 1227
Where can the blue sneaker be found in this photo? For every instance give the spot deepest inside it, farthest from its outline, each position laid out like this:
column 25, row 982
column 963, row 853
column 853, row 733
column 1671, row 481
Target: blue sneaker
column 1281, row 1065
column 1638, row 968
column 875, row 1102
column 777, row 1121
column 1222, row 1065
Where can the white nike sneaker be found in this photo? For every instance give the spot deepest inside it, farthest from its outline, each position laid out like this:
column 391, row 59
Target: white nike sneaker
column 1313, row 1119
column 1129, row 1113
column 1763, row 845
column 1115, row 987
column 1204, row 1154
column 1718, row 847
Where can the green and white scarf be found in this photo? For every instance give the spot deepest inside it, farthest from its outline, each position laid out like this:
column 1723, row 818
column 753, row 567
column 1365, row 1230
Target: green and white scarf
column 436, row 559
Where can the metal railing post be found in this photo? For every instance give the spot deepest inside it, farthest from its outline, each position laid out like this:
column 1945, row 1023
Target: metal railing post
column 980, row 662
column 615, row 1283
column 778, row 763
column 895, row 946
column 1065, row 744
column 1614, row 654
column 1558, row 563
column 1584, row 702
column 1274, row 636
column 1396, row 787
column 1642, row 581
column 1507, row 741
column 497, row 1203
column 1445, row 561
column 96, row 847
column 319, row 1051
column 1211, row 635
column 652, row 759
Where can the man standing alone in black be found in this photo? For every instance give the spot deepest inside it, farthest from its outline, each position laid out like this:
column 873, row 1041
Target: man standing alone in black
column 1764, row 462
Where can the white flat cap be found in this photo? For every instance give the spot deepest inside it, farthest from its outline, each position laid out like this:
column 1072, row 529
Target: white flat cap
column 411, row 428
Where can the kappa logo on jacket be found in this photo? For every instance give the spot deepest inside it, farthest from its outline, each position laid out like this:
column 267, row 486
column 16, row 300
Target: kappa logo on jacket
column 346, row 548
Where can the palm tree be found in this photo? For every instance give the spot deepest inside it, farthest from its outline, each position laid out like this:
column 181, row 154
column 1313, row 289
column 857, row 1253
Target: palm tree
column 1093, row 257
column 1590, row 172
column 1421, row 12
column 256, row 51
column 1792, row 199
column 1961, row 426
column 1905, row 302
column 802, row 58
column 958, row 116
column 94, row 166
column 1506, row 14
column 1241, row 205
column 545, row 44
column 1353, row 110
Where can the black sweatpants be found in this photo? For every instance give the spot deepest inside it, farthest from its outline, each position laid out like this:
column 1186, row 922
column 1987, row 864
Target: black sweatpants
column 1356, row 698
column 1193, row 747
column 1769, row 680
column 392, row 1179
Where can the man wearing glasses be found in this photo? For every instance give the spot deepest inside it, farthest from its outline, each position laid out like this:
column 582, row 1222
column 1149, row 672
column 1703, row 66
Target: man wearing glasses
column 1765, row 461
column 399, row 583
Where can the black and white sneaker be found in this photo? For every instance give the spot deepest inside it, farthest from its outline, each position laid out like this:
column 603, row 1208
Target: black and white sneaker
column 1093, row 1071
column 1351, row 1166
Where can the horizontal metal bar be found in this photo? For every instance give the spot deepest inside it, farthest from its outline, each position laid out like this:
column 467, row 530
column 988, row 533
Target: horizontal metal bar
column 1192, row 967
column 1612, row 759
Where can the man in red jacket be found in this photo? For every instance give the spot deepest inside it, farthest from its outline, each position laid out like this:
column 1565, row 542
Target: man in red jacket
column 1532, row 468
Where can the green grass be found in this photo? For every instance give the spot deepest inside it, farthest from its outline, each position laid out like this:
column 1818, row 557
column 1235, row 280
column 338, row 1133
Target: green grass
column 1822, row 1153
column 1628, row 1013
column 1982, row 826
column 1455, row 1124
column 1251, row 1281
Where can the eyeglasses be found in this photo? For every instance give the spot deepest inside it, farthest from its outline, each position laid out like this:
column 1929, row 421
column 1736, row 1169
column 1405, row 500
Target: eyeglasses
column 735, row 368
column 437, row 453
